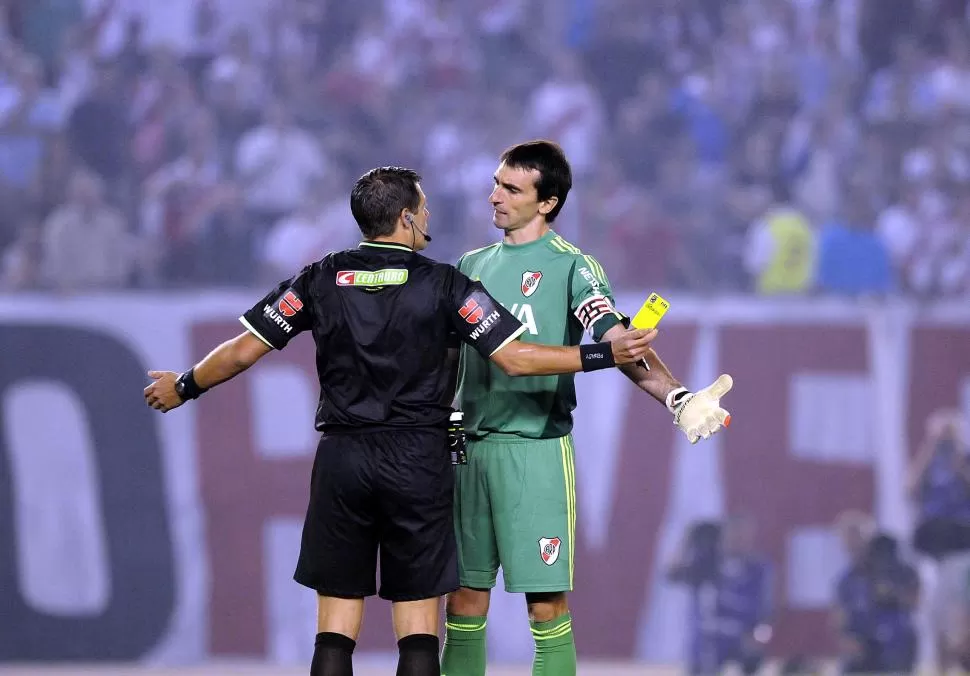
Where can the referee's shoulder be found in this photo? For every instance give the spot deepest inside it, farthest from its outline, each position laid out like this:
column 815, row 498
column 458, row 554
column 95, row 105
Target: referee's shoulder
column 328, row 260
column 432, row 269
column 421, row 259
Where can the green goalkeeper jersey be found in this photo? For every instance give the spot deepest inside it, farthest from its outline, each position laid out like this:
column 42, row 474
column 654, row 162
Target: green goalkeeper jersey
column 557, row 292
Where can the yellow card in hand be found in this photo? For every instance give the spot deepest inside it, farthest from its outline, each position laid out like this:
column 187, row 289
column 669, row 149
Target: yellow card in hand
column 650, row 314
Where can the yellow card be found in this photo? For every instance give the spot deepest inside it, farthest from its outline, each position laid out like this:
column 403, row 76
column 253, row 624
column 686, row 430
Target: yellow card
column 651, row 313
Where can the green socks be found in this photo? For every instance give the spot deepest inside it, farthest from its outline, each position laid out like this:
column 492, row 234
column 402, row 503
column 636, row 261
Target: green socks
column 555, row 647
column 464, row 652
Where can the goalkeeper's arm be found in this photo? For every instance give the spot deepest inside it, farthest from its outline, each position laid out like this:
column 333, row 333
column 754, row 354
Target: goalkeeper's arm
column 698, row 415
column 658, row 382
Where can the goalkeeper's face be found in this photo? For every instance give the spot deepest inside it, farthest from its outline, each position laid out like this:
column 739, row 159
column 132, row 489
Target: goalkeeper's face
column 515, row 202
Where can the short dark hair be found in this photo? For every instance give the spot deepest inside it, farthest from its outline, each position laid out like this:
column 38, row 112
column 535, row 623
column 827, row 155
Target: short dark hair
column 548, row 158
column 380, row 195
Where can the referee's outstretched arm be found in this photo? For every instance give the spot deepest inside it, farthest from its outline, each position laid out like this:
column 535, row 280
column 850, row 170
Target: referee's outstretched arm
column 518, row 358
column 170, row 390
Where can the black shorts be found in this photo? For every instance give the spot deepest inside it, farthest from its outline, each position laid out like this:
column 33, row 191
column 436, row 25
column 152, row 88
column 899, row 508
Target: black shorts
column 380, row 491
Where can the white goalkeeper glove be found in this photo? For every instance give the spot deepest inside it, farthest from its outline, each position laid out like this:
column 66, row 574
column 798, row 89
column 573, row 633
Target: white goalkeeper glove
column 699, row 414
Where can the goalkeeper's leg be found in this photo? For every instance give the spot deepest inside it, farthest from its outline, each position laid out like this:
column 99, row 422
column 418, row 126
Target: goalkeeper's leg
column 465, row 652
column 534, row 509
column 552, row 630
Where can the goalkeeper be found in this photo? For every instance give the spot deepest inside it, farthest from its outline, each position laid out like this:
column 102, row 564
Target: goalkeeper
column 515, row 501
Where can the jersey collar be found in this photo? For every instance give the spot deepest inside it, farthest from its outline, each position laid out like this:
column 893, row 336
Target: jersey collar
column 528, row 247
column 386, row 245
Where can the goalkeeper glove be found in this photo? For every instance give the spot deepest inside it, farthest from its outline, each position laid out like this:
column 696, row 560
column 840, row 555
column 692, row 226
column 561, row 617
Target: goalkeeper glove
column 699, row 414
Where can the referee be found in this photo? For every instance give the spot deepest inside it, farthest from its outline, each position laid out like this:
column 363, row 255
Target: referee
column 384, row 321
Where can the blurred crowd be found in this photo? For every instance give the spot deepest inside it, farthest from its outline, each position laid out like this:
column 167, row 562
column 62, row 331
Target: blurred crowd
column 898, row 603
column 770, row 146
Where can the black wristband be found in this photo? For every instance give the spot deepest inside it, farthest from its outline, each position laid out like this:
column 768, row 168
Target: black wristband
column 597, row 356
column 187, row 388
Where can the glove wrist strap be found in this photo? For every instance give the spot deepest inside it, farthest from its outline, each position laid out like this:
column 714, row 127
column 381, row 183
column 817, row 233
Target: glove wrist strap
column 676, row 397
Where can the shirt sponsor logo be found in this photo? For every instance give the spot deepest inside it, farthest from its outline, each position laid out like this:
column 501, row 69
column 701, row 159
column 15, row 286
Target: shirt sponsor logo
column 486, row 325
column 289, row 304
column 387, row 277
column 591, row 278
column 277, row 318
column 471, row 311
column 530, row 282
column 474, row 312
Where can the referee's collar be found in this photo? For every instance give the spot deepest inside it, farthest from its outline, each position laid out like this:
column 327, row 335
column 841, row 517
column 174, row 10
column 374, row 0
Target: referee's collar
column 386, row 245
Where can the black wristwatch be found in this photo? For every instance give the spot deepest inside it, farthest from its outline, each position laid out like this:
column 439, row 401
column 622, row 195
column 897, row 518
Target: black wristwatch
column 187, row 388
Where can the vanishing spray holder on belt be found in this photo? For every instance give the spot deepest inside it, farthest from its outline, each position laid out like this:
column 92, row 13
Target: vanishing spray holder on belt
column 456, row 438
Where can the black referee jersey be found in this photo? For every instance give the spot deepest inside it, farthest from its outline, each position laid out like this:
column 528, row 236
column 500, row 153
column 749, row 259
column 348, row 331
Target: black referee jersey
column 382, row 318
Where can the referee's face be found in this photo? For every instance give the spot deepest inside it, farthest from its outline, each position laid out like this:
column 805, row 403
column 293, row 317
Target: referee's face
column 421, row 218
column 514, row 200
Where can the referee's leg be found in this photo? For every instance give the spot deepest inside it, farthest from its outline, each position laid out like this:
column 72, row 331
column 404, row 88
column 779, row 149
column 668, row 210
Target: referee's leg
column 419, row 559
column 416, row 630
column 338, row 554
column 338, row 627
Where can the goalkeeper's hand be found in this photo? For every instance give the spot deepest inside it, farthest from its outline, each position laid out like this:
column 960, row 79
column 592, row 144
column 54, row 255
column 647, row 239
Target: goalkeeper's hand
column 699, row 414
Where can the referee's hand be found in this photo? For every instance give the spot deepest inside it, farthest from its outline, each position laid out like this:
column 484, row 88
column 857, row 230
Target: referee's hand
column 160, row 395
column 632, row 345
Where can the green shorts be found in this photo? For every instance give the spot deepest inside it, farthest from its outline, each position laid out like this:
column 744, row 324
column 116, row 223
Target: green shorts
column 515, row 506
